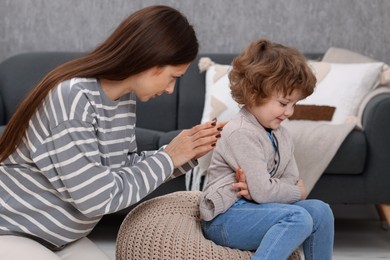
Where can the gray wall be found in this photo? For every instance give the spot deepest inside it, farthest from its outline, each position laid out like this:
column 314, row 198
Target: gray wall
column 221, row 25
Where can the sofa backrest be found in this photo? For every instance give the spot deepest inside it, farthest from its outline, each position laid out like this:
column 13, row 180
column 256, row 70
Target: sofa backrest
column 180, row 110
column 159, row 113
column 20, row 73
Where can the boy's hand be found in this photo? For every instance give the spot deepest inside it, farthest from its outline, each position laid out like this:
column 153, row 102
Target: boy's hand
column 303, row 189
column 241, row 185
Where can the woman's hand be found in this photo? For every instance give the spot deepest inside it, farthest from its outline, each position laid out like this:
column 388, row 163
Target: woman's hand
column 303, row 189
column 195, row 142
column 241, row 185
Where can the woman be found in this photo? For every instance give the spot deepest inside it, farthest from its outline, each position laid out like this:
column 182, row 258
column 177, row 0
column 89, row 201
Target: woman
column 68, row 155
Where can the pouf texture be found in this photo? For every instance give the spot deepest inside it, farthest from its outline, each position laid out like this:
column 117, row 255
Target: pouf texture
column 168, row 227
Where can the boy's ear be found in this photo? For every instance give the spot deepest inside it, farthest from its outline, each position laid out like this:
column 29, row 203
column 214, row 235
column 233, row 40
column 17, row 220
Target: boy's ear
column 252, row 102
column 258, row 100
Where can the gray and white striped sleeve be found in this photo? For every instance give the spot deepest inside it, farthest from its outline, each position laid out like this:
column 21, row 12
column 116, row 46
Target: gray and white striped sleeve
column 71, row 161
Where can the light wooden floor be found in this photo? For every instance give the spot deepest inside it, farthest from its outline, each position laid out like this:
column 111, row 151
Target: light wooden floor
column 358, row 234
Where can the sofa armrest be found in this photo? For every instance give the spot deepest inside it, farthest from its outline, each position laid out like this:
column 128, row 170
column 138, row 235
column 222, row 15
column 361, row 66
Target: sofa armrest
column 376, row 121
column 147, row 140
column 376, row 125
column 166, row 138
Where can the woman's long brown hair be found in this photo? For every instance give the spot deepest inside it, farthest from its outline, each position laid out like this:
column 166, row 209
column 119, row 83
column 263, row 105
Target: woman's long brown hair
column 153, row 36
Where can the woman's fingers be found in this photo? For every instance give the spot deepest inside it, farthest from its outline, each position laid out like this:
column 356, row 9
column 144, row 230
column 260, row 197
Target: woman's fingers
column 201, row 151
column 195, row 142
column 213, row 126
column 205, row 134
column 207, row 125
column 221, row 124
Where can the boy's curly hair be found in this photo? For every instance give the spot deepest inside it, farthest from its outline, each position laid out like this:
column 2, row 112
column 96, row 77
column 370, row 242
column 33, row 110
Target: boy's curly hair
column 265, row 68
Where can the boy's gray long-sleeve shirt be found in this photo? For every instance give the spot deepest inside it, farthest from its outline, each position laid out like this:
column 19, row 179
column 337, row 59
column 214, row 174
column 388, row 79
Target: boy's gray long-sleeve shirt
column 270, row 173
column 78, row 162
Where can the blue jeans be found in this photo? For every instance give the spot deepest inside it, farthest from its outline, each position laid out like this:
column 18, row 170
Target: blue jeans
column 275, row 230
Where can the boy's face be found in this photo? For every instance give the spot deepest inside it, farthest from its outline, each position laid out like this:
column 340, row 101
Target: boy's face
column 272, row 112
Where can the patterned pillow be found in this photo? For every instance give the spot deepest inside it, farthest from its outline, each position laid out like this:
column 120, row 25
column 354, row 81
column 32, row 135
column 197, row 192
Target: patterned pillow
column 218, row 101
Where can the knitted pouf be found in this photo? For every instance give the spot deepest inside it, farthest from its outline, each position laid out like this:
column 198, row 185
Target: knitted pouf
column 168, row 227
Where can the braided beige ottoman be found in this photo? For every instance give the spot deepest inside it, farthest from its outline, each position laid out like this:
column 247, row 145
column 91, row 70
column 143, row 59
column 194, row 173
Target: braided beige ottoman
column 168, row 227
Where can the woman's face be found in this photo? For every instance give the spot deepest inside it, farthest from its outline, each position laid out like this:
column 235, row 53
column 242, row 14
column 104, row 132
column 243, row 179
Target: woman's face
column 157, row 80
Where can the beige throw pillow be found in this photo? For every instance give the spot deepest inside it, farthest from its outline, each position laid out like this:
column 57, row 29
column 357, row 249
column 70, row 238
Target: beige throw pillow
column 339, row 55
column 342, row 86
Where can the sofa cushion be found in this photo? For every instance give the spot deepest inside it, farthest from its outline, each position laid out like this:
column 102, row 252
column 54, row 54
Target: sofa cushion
column 351, row 156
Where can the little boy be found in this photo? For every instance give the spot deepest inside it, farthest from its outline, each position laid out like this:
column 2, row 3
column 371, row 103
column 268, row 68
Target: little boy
column 267, row 80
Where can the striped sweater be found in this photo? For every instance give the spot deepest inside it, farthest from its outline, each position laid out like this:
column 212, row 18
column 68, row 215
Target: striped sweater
column 77, row 162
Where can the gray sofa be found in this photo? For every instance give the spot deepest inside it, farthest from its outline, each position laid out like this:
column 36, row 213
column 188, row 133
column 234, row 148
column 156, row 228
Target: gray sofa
column 358, row 174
